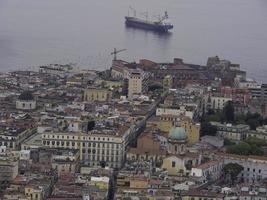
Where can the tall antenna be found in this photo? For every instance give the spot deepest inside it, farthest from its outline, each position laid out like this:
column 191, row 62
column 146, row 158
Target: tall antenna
column 115, row 52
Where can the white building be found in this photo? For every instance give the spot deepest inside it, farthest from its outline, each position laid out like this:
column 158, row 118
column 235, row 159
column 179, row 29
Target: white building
column 94, row 148
column 260, row 133
column 232, row 132
column 174, row 111
column 255, row 167
column 26, row 101
column 215, row 103
column 209, row 171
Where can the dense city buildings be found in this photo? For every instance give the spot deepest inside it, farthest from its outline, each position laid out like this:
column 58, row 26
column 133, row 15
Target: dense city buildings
column 142, row 130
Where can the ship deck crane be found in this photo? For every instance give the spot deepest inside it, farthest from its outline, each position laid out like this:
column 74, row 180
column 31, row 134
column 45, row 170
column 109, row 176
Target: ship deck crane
column 115, row 52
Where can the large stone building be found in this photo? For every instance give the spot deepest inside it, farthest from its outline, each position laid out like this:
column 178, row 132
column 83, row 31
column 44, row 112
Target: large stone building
column 137, row 83
column 214, row 102
column 232, row 132
column 192, row 130
column 149, row 148
column 8, row 165
column 259, row 93
column 183, row 74
column 97, row 94
column 94, row 148
column 26, row 101
column 209, row 171
column 255, row 167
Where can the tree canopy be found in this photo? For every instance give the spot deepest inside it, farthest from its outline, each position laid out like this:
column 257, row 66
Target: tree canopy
column 208, row 129
column 247, row 147
column 233, row 170
column 229, row 112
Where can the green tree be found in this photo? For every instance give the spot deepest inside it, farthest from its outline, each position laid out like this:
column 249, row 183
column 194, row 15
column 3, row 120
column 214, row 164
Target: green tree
column 233, row 170
column 255, row 141
column 253, row 123
column 229, row 112
column 208, row 129
column 256, row 150
column 242, row 148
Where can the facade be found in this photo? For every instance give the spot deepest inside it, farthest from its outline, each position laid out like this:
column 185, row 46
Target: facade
column 192, row 130
column 137, row 83
column 97, row 94
column 64, row 162
column 148, row 148
column 255, row 167
column 215, row 103
column 183, row 74
column 209, row 171
column 8, row 166
column 259, row 93
column 174, row 165
column 167, row 82
column 94, row 148
column 26, row 101
column 260, row 133
column 34, row 193
column 174, row 110
column 177, row 164
column 12, row 139
column 166, row 122
column 231, row 132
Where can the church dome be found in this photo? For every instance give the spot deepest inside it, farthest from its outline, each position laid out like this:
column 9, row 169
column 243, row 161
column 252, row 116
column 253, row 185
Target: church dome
column 26, row 96
column 177, row 133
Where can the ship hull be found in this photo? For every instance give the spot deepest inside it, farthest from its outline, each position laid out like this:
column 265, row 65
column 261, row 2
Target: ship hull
column 137, row 23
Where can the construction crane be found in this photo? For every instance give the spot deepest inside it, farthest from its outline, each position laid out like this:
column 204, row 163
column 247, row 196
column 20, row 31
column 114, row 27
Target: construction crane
column 115, row 52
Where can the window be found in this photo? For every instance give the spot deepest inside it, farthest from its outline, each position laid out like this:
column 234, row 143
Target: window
column 259, row 171
column 173, row 163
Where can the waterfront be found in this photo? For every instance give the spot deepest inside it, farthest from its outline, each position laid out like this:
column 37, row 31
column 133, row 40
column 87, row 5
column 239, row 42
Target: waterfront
column 35, row 32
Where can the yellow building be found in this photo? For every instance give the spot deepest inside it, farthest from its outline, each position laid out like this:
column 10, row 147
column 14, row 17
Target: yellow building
column 139, row 183
column 33, row 193
column 97, row 94
column 174, row 165
column 192, row 130
column 166, row 122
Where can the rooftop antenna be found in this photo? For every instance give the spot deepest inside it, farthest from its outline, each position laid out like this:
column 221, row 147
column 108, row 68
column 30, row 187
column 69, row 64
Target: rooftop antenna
column 115, row 52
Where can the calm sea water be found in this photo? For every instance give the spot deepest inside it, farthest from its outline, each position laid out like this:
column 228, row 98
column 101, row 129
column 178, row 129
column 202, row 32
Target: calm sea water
column 35, row 32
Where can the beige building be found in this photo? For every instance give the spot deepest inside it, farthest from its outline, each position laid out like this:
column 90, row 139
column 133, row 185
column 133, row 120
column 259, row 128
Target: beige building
column 8, row 165
column 97, row 94
column 95, row 147
column 33, row 192
column 65, row 162
column 137, row 83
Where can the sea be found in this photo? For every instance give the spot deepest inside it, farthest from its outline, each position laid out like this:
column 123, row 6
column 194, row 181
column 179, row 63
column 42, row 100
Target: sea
column 85, row 32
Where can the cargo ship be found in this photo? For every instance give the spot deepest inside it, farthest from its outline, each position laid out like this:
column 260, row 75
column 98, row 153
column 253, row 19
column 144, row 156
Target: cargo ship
column 163, row 24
